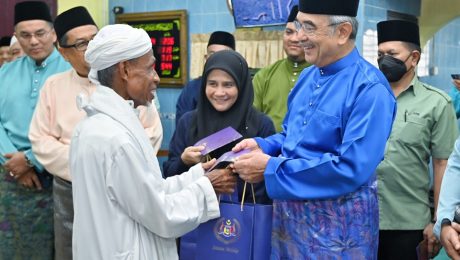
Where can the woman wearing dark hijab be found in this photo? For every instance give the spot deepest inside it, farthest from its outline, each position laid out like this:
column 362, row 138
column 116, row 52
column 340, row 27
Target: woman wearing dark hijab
column 225, row 99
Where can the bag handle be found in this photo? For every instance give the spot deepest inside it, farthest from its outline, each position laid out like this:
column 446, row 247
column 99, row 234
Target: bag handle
column 244, row 194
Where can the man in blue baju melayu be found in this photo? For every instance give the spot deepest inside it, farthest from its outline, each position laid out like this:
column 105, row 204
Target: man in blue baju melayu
column 320, row 170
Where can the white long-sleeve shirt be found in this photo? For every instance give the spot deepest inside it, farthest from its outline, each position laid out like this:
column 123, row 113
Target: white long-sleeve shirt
column 124, row 209
column 57, row 114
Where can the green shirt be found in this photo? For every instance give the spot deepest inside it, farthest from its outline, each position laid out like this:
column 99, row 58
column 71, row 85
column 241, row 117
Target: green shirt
column 425, row 126
column 272, row 85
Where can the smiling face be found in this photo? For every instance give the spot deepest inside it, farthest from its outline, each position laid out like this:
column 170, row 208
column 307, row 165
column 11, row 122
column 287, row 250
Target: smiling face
column 291, row 43
column 37, row 38
column 221, row 90
column 141, row 79
column 78, row 35
column 318, row 38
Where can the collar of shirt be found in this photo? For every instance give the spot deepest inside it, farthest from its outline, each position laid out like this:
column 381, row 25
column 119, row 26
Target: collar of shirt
column 296, row 66
column 54, row 55
column 414, row 86
column 82, row 80
column 342, row 63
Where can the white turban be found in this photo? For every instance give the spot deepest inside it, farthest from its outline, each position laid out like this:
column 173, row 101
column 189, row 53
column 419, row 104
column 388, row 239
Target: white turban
column 113, row 44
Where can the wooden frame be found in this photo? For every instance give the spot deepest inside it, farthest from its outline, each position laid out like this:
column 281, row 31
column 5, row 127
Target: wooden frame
column 161, row 21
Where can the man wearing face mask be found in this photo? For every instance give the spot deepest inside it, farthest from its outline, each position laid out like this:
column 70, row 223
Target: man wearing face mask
column 425, row 126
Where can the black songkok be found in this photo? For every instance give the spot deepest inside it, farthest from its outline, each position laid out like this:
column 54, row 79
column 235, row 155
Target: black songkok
column 293, row 14
column 398, row 30
column 329, row 7
column 222, row 38
column 31, row 10
column 5, row 41
column 75, row 17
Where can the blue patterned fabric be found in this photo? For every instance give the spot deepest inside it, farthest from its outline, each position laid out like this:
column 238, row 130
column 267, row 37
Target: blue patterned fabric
column 342, row 228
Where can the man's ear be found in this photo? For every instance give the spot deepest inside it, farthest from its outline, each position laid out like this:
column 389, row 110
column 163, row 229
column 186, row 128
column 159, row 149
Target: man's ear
column 63, row 53
column 123, row 69
column 415, row 58
column 344, row 31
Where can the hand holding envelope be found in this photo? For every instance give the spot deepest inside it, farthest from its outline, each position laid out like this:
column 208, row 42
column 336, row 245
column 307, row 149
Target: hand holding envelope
column 222, row 179
column 250, row 166
column 192, row 155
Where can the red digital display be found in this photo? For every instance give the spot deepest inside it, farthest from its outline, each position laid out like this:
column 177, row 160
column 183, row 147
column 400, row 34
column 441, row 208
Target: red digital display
column 165, row 38
column 168, row 33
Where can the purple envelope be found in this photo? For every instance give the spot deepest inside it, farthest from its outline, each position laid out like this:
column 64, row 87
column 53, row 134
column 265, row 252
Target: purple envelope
column 227, row 158
column 218, row 139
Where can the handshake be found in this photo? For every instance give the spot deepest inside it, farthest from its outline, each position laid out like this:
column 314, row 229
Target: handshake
column 245, row 160
column 222, row 180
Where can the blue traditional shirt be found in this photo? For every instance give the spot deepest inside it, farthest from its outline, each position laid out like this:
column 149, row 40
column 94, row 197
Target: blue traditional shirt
column 449, row 196
column 334, row 133
column 188, row 98
column 20, row 84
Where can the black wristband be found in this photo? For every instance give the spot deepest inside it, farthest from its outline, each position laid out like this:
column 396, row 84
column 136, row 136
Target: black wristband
column 445, row 221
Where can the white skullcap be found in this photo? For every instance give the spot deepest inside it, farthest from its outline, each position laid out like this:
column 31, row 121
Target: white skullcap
column 13, row 40
column 113, row 44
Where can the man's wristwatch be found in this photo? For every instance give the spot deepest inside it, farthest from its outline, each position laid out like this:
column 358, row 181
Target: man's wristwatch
column 445, row 222
column 28, row 162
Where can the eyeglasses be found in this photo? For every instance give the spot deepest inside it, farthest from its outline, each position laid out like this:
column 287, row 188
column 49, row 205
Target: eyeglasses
column 308, row 28
column 40, row 35
column 80, row 45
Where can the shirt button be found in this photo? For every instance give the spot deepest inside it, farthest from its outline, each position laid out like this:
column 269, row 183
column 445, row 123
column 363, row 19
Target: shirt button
column 35, row 81
column 317, row 86
column 37, row 71
column 295, row 73
column 34, row 89
column 321, row 72
column 304, row 122
column 293, row 80
column 311, row 104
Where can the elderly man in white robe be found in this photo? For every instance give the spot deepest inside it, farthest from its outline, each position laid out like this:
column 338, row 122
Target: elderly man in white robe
column 124, row 209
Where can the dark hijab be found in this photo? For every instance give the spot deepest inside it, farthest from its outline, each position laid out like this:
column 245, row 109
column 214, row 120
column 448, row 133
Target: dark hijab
column 242, row 116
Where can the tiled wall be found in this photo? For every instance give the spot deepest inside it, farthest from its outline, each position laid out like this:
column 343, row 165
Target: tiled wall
column 446, row 55
column 205, row 16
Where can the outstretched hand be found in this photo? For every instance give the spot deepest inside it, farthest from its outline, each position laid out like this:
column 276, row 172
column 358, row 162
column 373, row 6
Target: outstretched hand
column 251, row 167
column 249, row 143
column 222, row 180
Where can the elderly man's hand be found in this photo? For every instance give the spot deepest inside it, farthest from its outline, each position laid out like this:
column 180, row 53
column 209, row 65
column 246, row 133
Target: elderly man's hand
column 192, row 155
column 222, row 180
column 457, row 83
column 251, row 167
column 450, row 240
column 433, row 244
column 250, row 144
column 16, row 164
column 208, row 164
